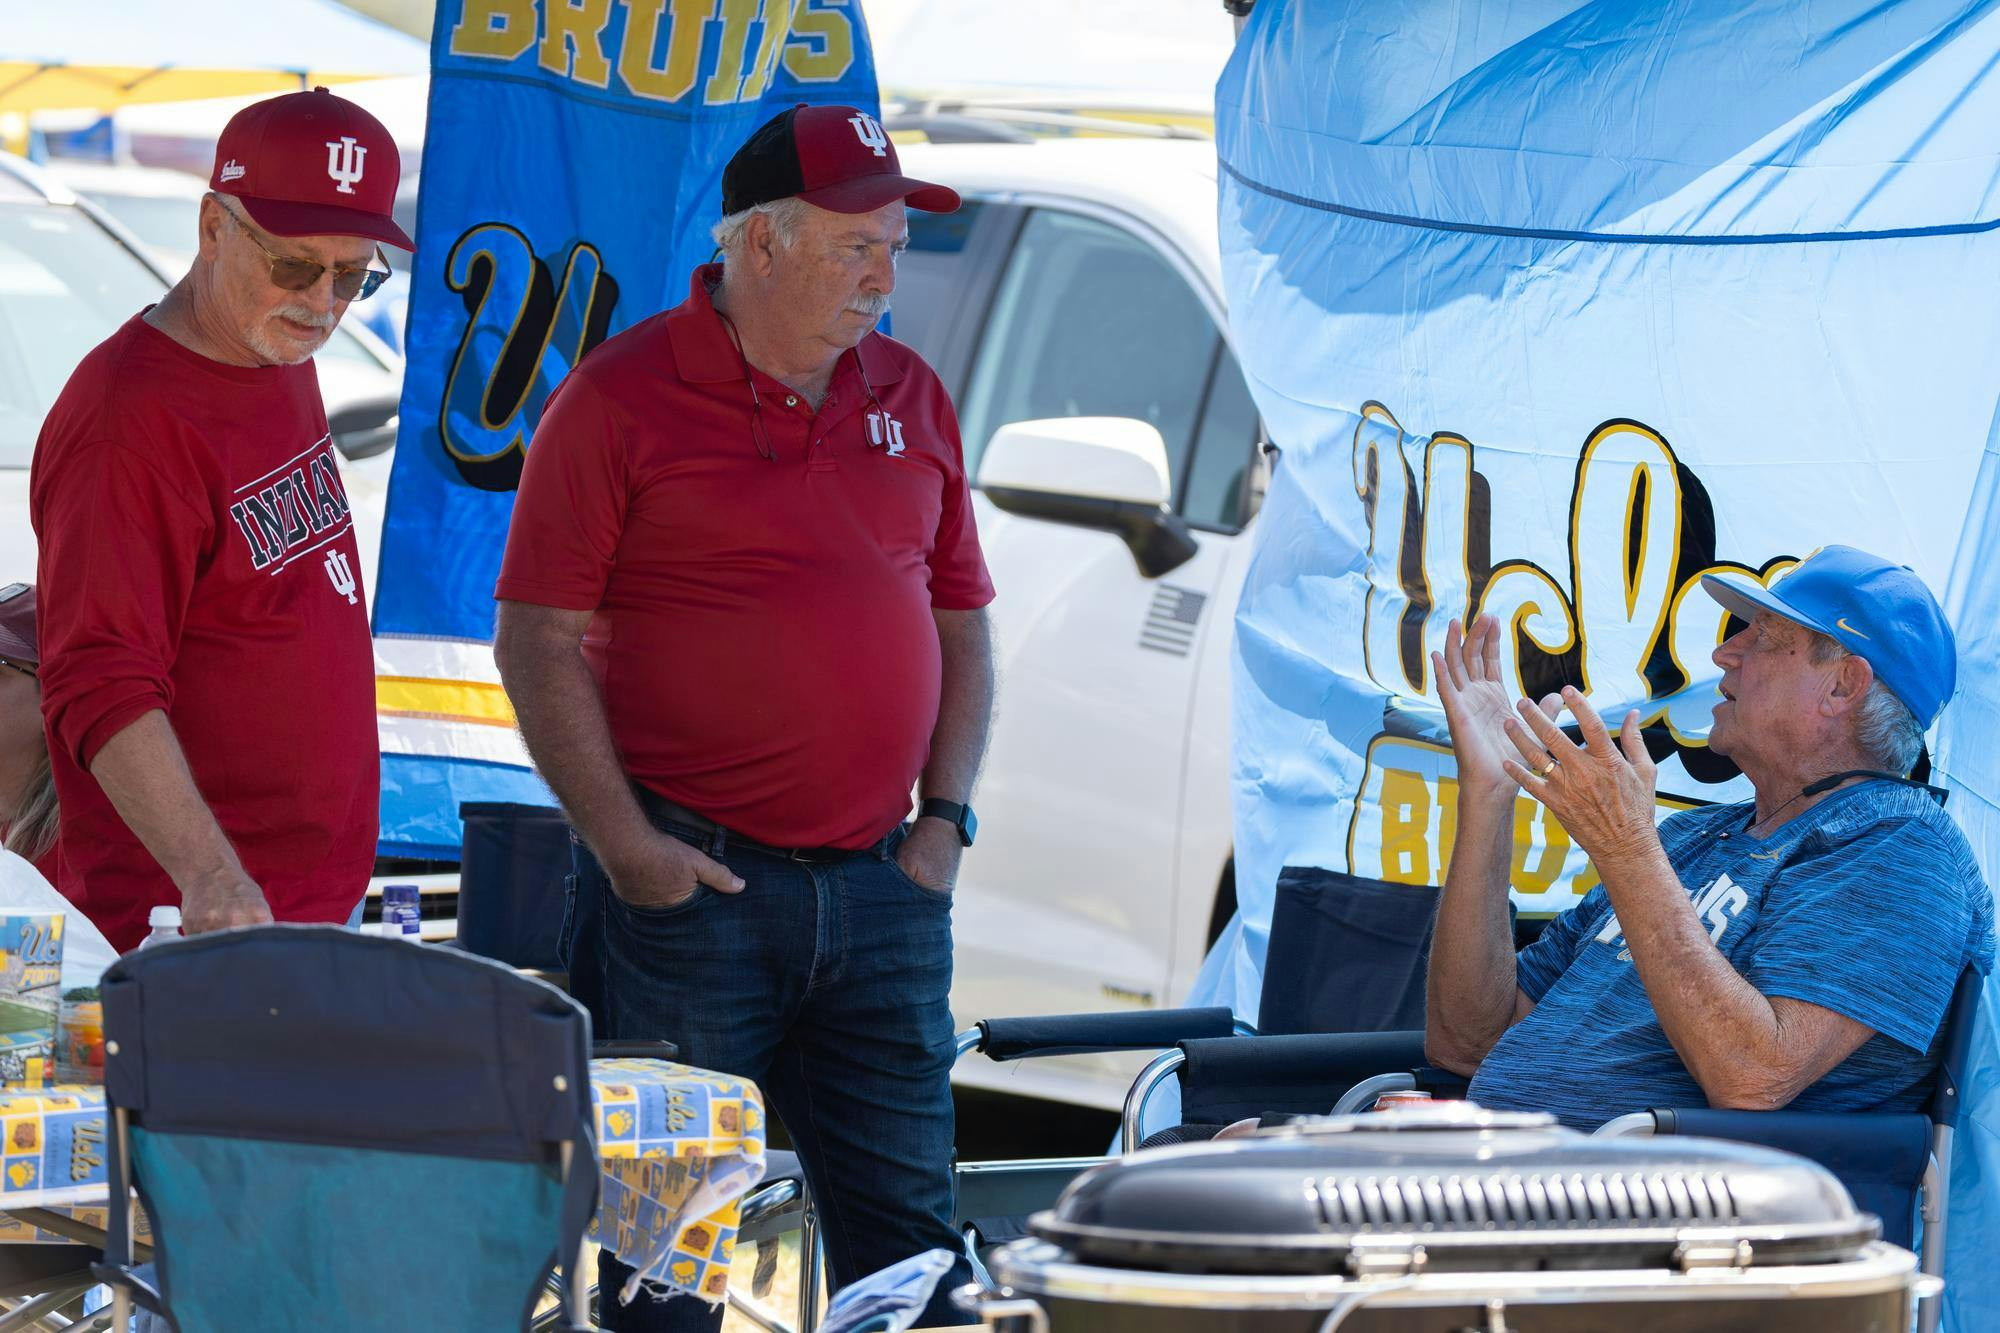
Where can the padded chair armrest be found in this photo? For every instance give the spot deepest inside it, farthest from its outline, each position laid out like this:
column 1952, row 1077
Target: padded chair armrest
column 1093, row 1034
column 1442, row 1084
column 1880, row 1156
column 1887, row 1144
column 1306, row 1073
column 634, row 1050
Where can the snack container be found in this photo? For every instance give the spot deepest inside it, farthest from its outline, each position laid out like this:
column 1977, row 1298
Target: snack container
column 30, row 984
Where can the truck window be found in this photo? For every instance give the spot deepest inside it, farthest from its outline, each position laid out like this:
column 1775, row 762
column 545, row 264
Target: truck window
column 1089, row 321
column 1213, row 491
column 930, row 277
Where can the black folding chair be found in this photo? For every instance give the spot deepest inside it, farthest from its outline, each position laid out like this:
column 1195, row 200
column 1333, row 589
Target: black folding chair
column 342, row 1133
column 512, row 867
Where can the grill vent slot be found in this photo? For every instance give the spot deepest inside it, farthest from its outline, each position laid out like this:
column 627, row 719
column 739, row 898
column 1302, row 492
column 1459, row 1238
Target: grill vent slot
column 1533, row 1201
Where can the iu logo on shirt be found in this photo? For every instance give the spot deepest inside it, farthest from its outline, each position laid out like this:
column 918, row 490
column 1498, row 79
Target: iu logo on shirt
column 885, row 432
column 869, row 131
column 345, row 161
column 341, row 574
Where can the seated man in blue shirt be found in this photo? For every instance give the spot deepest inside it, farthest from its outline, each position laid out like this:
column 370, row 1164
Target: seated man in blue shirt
column 1796, row 950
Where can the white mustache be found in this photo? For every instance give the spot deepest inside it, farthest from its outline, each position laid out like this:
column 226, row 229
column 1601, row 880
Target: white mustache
column 873, row 306
column 311, row 318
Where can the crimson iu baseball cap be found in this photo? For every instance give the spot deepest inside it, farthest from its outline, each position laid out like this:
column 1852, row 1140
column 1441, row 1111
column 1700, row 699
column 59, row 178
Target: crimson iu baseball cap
column 1875, row 608
column 312, row 164
column 835, row 157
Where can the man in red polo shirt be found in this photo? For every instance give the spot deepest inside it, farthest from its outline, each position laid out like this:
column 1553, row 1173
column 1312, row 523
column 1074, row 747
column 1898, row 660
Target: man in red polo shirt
column 207, row 679
column 741, row 615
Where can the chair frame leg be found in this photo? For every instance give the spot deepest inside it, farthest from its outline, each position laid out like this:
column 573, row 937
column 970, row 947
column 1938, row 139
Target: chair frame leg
column 1936, row 1195
column 576, row 1290
column 30, row 1313
column 812, row 1259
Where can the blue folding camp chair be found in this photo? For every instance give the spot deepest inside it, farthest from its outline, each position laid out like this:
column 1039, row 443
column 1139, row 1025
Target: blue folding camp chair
column 344, row 1134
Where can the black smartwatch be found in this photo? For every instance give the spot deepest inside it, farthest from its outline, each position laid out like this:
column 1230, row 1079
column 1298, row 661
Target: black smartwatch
column 951, row 812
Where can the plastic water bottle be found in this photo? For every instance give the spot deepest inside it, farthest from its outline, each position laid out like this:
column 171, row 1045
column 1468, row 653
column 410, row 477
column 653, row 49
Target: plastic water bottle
column 165, row 923
column 401, row 915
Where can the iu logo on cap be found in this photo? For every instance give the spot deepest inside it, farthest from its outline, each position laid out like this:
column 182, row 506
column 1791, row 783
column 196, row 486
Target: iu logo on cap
column 345, row 160
column 869, row 131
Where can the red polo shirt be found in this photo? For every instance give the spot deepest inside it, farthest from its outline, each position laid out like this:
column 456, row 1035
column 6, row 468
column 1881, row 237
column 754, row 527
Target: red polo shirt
column 763, row 631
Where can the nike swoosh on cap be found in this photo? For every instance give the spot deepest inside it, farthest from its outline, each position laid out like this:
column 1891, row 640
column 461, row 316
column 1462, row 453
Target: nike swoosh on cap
column 1842, row 623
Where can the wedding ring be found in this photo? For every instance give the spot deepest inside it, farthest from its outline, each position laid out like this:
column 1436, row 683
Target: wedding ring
column 1547, row 768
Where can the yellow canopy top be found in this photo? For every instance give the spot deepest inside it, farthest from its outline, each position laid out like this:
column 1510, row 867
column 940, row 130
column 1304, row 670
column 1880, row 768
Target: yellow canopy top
column 25, row 86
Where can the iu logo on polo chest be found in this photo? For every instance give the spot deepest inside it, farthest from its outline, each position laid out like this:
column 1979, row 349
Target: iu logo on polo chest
column 885, row 432
column 869, row 131
column 345, row 161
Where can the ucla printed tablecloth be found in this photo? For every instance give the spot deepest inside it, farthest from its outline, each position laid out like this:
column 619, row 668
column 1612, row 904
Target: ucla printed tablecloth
column 52, row 1143
column 678, row 1148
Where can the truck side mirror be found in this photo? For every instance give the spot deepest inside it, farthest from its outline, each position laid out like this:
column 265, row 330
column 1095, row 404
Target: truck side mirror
column 1092, row 472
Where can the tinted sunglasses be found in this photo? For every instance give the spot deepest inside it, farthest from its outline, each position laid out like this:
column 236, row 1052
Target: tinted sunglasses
column 350, row 283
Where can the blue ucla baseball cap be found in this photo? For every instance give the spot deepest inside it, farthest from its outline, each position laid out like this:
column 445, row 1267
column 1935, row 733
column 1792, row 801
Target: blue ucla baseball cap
column 1876, row 609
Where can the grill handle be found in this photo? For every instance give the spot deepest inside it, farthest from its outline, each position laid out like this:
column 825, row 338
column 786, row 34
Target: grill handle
column 1000, row 1309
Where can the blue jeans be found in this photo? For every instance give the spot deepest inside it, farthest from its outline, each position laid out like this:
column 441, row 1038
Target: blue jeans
column 827, row 983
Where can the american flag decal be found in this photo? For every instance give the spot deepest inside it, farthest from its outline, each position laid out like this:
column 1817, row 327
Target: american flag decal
column 1170, row 624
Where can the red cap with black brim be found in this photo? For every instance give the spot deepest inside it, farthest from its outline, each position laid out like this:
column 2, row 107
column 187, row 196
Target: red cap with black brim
column 834, row 157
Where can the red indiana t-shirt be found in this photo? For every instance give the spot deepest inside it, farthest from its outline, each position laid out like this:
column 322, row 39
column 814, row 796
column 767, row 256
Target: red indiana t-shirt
column 763, row 632
column 198, row 557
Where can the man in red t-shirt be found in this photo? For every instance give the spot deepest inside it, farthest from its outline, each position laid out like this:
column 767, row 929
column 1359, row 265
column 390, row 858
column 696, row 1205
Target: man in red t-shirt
column 741, row 616
column 207, row 677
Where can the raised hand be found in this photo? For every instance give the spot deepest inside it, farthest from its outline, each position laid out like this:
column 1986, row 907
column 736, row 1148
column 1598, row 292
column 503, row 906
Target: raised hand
column 1601, row 791
column 1478, row 706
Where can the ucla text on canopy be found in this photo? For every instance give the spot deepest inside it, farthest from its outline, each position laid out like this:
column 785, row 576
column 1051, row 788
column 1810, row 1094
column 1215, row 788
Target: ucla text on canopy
column 653, row 50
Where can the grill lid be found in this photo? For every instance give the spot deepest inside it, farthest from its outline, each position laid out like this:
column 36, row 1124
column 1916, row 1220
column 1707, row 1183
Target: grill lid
column 1453, row 1188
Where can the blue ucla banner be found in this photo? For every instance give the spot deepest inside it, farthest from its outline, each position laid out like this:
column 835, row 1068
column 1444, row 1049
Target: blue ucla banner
column 1554, row 307
column 572, row 168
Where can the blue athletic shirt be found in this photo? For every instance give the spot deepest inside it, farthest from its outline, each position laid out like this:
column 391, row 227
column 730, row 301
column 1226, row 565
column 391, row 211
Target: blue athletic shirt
column 1869, row 904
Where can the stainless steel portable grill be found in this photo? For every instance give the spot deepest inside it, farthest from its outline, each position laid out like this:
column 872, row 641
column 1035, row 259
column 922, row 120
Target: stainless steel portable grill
column 1451, row 1219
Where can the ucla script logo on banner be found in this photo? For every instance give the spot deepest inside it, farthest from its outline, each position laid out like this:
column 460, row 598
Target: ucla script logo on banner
column 1623, row 618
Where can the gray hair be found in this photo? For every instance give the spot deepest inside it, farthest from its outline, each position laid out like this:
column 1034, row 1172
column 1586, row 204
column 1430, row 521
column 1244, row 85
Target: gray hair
column 1884, row 727
column 36, row 824
column 787, row 216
